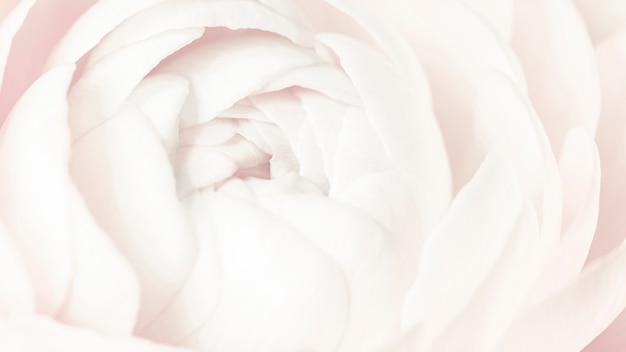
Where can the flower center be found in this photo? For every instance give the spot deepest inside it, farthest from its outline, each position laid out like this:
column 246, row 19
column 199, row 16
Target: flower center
column 210, row 154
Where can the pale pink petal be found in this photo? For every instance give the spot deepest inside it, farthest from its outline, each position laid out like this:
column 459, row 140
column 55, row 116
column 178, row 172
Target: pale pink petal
column 107, row 83
column 7, row 6
column 279, row 293
column 230, row 66
column 580, row 174
column 400, row 203
column 498, row 13
column 360, row 153
column 176, row 15
column 42, row 334
column 572, row 317
column 101, row 292
column 89, row 29
column 611, row 56
column 352, row 19
column 196, row 301
column 399, row 114
column 612, row 338
column 34, row 185
column 323, row 78
column 498, row 300
column 123, row 173
column 611, row 142
column 368, row 255
column 455, row 46
column 326, row 116
column 16, row 290
column 160, row 98
column 552, row 43
column 10, row 23
column 408, row 342
column 460, row 253
column 602, row 17
column 104, row 291
column 47, row 22
column 505, row 118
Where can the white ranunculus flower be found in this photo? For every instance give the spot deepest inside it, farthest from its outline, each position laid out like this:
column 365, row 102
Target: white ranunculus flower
column 312, row 175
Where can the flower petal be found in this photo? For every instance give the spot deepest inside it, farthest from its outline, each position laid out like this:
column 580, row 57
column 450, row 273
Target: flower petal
column 9, row 25
column 459, row 255
column 46, row 23
column 498, row 13
column 227, row 67
column 160, row 98
column 16, row 290
column 401, row 204
column 456, row 47
column 125, row 177
column 34, row 185
column 552, row 43
column 37, row 333
column 176, row 15
column 89, row 29
column 504, row 117
column 602, row 17
column 366, row 253
column 104, row 292
column 580, row 174
column 611, row 140
column 197, row 300
column 107, row 83
column 405, row 125
column 572, row 317
column 497, row 302
column 280, row 293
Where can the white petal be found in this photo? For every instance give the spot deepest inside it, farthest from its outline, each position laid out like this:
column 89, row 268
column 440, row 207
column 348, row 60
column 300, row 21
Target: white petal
column 454, row 60
column 9, row 26
column 611, row 56
column 34, row 185
column 400, row 203
column 367, row 254
column 104, row 85
column 16, row 290
column 498, row 13
column 280, row 293
column 612, row 338
column 176, row 15
column 198, row 298
column 399, row 114
column 42, row 334
column 497, row 302
column 104, row 292
column 603, row 18
column 160, row 98
column 323, row 78
column 45, row 24
column 349, row 18
column 580, row 174
column 124, row 174
column 89, row 29
column 611, row 140
column 225, row 69
column 326, row 117
column 459, row 255
column 572, row 317
column 504, row 117
column 359, row 153
column 552, row 43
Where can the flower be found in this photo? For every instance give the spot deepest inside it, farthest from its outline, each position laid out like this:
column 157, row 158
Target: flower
column 310, row 175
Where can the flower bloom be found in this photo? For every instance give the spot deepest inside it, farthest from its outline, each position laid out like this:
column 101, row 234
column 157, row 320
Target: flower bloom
column 312, row 175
